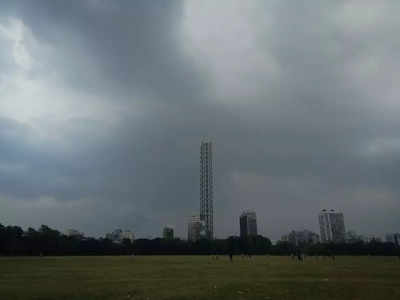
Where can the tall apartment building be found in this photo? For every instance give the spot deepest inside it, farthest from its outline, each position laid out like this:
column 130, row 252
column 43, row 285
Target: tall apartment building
column 331, row 224
column 206, row 187
column 196, row 229
column 248, row 224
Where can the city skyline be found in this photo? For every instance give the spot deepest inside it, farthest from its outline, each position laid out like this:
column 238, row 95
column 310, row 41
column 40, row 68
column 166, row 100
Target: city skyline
column 104, row 104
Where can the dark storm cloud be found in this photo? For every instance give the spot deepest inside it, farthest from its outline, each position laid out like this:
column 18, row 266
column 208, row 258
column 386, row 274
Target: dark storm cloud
column 126, row 45
column 310, row 125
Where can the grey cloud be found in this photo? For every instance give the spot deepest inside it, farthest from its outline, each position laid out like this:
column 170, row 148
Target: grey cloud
column 307, row 139
column 129, row 47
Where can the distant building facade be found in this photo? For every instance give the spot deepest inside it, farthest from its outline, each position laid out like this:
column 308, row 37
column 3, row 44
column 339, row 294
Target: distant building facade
column 168, row 233
column 196, row 229
column 248, row 224
column 393, row 238
column 301, row 237
column 332, row 227
column 118, row 235
column 206, row 187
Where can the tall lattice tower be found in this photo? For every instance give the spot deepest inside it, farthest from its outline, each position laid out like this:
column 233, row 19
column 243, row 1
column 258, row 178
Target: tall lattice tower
column 206, row 187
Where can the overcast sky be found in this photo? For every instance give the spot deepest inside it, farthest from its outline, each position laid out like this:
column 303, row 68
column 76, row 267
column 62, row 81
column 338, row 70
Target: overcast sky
column 103, row 105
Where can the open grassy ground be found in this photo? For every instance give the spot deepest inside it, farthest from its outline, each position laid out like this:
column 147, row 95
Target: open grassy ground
column 198, row 277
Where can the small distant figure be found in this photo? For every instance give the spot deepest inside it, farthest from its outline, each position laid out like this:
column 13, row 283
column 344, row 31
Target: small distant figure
column 231, row 256
column 299, row 256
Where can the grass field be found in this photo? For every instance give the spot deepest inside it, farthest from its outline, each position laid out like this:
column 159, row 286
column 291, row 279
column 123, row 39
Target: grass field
column 198, row 277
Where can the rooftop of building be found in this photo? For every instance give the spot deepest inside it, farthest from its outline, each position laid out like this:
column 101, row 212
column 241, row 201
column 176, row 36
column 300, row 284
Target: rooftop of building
column 329, row 211
column 248, row 212
column 206, row 140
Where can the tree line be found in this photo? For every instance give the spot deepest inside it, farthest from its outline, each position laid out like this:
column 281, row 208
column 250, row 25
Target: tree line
column 47, row 241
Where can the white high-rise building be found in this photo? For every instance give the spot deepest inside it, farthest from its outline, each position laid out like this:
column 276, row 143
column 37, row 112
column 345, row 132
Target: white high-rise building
column 206, row 187
column 196, row 229
column 331, row 224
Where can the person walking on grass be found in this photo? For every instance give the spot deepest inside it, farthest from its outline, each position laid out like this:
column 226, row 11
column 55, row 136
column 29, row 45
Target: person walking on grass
column 299, row 256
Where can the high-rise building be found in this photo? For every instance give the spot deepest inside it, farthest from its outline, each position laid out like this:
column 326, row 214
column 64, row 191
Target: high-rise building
column 196, row 229
column 331, row 224
column 206, row 187
column 248, row 224
column 168, row 233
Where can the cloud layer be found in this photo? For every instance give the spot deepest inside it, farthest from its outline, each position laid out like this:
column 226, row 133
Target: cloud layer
column 103, row 105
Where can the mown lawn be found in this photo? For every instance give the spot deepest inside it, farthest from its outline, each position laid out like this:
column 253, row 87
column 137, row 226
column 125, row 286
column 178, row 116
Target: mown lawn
column 198, row 277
